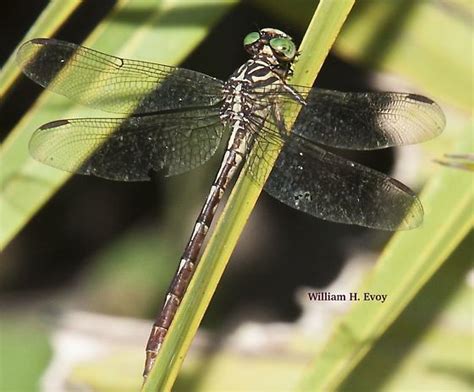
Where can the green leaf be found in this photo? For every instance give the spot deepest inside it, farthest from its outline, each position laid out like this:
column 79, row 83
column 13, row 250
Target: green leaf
column 409, row 38
column 429, row 345
column 27, row 184
column 320, row 35
column 23, row 338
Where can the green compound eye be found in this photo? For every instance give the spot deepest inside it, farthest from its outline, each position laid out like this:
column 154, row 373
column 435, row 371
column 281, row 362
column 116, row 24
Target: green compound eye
column 284, row 47
column 251, row 38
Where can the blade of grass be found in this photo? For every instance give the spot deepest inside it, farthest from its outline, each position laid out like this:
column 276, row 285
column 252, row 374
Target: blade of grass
column 51, row 19
column 316, row 44
column 435, row 328
column 407, row 263
column 27, row 184
column 409, row 38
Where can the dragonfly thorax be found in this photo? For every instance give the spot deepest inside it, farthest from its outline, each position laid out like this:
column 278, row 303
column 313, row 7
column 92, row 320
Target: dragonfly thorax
column 242, row 89
column 273, row 54
column 243, row 110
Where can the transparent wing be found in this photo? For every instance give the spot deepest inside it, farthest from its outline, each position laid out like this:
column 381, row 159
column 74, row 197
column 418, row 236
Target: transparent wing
column 114, row 84
column 330, row 187
column 129, row 149
column 266, row 141
column 359, row 121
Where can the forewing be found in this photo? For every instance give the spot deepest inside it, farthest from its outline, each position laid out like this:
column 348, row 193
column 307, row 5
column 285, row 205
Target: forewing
column 330, row 187
column 360, row 121
column 114, row 84
column 129, row 149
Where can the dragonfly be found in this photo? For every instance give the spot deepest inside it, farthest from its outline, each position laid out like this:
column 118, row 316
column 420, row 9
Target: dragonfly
column 175, row 119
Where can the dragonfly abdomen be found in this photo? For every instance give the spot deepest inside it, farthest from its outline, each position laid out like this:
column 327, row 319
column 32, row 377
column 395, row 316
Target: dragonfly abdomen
column 232, row 159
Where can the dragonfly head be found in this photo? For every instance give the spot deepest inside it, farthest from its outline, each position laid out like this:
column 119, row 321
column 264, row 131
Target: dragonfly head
column 273, row 44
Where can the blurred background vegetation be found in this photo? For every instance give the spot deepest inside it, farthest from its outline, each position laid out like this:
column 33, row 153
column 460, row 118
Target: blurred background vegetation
column 108, row 248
